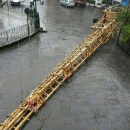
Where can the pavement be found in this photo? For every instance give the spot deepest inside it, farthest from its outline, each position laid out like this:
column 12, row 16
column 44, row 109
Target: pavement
column 96, row 97
column 9, row 21
column 3, row 2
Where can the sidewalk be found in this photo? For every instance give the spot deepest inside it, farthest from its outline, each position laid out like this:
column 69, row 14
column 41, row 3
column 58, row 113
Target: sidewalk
column 3, row 2
column 14, row 27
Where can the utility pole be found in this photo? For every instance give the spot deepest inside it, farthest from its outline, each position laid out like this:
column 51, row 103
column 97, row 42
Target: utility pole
column 27, row 13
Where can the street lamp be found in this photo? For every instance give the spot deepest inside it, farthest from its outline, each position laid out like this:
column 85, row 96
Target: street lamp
column 33, row 3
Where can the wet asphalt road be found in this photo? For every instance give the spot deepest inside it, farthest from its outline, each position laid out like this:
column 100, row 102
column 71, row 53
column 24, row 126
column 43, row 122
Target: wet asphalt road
column 97, row 97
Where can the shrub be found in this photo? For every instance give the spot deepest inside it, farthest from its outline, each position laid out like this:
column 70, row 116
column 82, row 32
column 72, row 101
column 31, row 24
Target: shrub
column 123, row 15
column 126, row 36
column 88, row 1
column 92, row 2
column 104, row 1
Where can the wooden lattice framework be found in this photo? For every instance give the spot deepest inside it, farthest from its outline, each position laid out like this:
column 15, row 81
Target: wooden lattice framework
column 100, row 33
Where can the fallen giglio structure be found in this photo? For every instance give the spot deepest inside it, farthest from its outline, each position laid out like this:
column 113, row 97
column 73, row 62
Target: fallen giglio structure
column 100, row 33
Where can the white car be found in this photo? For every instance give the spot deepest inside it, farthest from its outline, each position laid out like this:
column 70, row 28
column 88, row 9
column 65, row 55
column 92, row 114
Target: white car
column 15, row 2
column 67, row 3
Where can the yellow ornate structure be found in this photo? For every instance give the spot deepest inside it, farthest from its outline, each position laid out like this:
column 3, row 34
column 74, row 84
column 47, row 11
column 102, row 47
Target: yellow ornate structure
column 100, row 33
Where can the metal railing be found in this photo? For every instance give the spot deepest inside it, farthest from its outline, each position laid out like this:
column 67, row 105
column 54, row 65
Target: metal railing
column 15, row 34
column 125, row 45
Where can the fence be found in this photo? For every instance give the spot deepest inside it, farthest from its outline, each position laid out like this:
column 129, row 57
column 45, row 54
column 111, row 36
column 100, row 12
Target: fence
column 124, row 44
column 15, row 34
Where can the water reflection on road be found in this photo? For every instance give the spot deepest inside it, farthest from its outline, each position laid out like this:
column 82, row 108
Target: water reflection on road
column 25, row 64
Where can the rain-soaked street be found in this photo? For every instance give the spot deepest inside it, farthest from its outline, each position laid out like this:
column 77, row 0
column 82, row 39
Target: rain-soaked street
column 96, row 97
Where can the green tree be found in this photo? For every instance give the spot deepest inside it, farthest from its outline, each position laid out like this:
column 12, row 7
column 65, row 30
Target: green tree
column 91, row 1
column 123, row 16
column 104, row 1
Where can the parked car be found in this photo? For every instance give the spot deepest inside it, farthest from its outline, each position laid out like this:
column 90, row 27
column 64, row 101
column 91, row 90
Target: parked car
column 116, row 2
column 80, row 2
column 67, row 3
column 15, row 2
